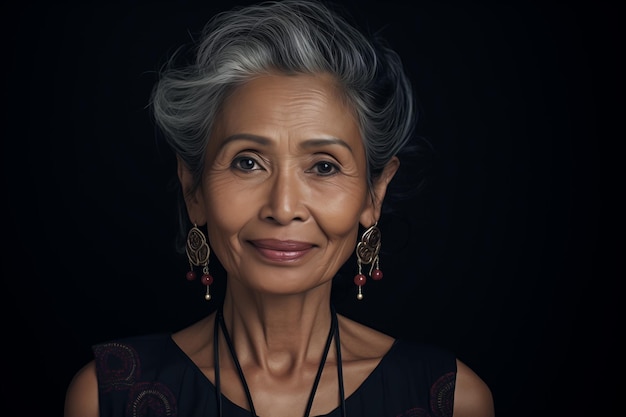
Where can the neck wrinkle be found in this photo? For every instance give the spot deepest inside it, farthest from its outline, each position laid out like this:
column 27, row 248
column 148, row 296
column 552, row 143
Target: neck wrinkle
column 278, row 337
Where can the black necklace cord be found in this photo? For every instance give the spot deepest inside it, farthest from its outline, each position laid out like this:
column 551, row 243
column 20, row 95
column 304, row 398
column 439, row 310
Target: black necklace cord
column 332, row 332
column 342, row 400
column 233, row 354
column 216, row 366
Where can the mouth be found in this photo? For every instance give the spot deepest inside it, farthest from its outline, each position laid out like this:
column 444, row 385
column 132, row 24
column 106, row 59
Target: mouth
column 281, row 250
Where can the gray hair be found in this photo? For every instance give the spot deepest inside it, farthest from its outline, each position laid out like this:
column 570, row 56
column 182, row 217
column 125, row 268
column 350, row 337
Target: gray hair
column 286, row 37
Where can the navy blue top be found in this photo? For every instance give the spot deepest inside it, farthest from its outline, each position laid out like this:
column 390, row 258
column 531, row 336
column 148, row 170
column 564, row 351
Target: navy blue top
column 150, row 376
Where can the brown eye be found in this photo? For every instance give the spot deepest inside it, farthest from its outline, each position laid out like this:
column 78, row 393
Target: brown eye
column 325, row 168
column 245, row 163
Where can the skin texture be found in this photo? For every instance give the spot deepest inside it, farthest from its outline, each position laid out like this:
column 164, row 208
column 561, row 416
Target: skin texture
column 282, row 195
column 303, row 179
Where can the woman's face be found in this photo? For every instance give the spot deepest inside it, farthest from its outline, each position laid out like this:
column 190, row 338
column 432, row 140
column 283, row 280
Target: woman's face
column 284, row 186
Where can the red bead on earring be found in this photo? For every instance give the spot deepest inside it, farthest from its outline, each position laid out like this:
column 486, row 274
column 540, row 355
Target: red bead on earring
column 207, row 280
column 359, row 281
column 377, row 274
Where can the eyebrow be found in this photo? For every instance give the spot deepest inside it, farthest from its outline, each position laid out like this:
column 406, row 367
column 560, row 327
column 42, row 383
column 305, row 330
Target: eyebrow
column 307, row 144
column 245, row 136
column 315, row 143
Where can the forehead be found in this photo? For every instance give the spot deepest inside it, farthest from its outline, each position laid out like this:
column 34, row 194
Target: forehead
column 295, row 104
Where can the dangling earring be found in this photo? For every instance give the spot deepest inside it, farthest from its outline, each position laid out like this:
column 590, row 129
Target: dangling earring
column 367, row 253
column 198, row 252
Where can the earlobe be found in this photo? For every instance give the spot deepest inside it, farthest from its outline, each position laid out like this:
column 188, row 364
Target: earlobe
column 371, row 214
column 193, row 200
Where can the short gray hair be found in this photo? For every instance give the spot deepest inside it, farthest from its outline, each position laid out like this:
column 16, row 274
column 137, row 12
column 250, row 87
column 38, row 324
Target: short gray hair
column 285, row 37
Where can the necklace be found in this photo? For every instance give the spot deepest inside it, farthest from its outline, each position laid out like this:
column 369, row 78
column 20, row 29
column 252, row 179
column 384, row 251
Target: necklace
column 332, row 334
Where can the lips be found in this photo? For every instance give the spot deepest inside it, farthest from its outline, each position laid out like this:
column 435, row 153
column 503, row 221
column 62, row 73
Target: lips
column 281, row 250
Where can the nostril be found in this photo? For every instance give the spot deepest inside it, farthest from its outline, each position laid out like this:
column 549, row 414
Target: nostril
column 273, row 219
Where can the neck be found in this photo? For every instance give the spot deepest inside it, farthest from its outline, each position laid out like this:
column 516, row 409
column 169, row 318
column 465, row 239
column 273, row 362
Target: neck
column 277, row 334
column 333, row 334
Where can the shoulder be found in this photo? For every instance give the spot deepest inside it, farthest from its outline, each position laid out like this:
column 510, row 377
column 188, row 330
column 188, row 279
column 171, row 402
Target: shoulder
column 455, row 388
column 138, row 341
column 115, row 363
column 81, row 398
column 359, row 342
column 472, row 396
column 431, row 360
column 124, row 361
column 363, row 342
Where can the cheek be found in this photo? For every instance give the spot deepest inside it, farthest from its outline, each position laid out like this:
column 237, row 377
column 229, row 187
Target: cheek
column 227, row 208
column 338, row 212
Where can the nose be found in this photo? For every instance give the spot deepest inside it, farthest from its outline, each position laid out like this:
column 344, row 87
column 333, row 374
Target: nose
column 286, row 196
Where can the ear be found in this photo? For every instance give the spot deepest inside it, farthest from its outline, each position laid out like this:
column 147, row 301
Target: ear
column 371, row 213
column 193, row 197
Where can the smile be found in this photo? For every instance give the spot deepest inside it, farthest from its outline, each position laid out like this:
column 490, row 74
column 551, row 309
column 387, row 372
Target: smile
column 281, row 250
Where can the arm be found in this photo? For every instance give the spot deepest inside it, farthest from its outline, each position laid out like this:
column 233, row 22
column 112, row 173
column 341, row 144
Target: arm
column 472, row 397
column 81, row 399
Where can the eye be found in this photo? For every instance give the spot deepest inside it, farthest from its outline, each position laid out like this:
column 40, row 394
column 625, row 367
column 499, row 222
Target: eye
column 245, row 163
column 325, row 168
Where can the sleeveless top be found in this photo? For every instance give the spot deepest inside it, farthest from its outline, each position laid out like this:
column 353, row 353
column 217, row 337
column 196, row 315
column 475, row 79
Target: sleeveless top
column 150, row 376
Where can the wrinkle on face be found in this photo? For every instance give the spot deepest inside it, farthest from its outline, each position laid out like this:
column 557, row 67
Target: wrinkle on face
column 287, row 124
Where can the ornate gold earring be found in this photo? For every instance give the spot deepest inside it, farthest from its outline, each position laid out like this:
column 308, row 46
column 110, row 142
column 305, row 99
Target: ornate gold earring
column 198, row 252
column 367, row 253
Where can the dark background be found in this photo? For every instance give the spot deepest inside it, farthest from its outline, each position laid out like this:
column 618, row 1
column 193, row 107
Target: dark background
column 511, row 257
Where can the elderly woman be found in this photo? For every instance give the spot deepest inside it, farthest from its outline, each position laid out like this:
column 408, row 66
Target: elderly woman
column 286, row 129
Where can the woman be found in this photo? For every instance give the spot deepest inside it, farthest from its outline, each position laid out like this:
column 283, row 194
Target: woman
column 286, row 130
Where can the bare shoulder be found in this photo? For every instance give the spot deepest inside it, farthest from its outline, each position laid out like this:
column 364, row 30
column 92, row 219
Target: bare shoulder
column 81, row 399
column 472, row 396
column 362, row 342
column 196, row 339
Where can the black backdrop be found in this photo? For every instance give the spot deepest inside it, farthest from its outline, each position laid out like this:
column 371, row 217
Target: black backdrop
column 510, row 256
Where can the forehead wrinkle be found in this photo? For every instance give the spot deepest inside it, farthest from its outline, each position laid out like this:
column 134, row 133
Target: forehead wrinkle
column 307, row 100
column 299, row 112
column 296, row 115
